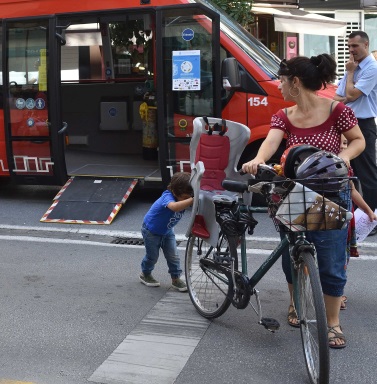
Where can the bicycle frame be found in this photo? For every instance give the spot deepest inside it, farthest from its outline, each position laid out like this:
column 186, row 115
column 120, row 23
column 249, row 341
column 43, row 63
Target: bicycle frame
column 285, row 243
column 270, row 260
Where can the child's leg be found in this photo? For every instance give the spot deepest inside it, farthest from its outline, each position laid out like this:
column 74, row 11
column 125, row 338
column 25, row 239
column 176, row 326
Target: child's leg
column 169, row 247
column 152, row 245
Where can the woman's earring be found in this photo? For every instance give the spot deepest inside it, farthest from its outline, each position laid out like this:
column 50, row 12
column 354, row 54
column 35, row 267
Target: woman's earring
column 290, row 92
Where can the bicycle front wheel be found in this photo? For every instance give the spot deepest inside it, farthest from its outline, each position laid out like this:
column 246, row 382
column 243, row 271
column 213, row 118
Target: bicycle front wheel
column 209, row 286
column 313, row 323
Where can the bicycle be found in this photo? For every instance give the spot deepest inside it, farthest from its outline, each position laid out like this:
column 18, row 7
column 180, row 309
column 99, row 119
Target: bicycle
column 215, row 282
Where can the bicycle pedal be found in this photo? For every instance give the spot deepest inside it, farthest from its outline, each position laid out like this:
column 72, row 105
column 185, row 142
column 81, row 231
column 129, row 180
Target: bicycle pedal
column 270, row 324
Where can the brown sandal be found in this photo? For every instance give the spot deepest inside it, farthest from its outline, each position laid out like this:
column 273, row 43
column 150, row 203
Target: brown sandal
column 337, row 335
column 343, row 301
column 293, row 320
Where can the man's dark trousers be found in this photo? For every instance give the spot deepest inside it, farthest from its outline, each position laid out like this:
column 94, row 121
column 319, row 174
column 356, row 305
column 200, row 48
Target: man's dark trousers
column 364, row 165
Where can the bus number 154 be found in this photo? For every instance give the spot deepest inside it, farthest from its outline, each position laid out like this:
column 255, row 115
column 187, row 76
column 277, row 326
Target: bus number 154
column 256, row 101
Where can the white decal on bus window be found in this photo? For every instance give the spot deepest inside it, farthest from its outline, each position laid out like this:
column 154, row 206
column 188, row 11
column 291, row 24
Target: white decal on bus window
column 186, row 70
column 257, row 101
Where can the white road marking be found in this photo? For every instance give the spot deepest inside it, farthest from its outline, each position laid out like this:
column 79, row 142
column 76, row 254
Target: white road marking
column 249, row 251
column 65, row 241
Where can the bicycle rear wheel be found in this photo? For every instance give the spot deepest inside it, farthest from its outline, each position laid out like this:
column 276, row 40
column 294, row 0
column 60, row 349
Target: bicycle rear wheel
column 313, row 323
column 209, row 286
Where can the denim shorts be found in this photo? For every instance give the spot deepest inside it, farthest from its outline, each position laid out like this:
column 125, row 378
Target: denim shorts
column 331, row 256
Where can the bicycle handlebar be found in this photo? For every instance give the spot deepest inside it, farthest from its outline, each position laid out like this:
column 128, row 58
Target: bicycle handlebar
column 235, row 186
column 264, row 173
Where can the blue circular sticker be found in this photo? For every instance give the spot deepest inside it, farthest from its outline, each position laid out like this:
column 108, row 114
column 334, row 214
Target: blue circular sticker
column 188, row 34
column 30, row 122
column 20, row 103
column 30, row 103
column 40, row 103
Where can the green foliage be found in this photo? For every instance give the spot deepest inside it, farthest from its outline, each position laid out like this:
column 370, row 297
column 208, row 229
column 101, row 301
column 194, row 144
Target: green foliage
column 240, row 10
column 122, row 33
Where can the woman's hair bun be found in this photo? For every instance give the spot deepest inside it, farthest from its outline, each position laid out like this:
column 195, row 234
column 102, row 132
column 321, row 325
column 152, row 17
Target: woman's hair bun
column 316, row 60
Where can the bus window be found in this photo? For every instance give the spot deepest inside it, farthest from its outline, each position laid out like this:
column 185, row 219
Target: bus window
column 131, row 42
column 200, row 103
column 24, row 63
column 81, row 55
column 107, row 50
column 189, row 103
column 190, row 68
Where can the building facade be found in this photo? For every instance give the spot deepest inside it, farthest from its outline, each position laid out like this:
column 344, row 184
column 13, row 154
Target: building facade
column 358, row 14
column 310, row 27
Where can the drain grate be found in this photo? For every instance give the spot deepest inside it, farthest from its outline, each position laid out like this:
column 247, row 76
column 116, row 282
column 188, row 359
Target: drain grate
column 130, row 241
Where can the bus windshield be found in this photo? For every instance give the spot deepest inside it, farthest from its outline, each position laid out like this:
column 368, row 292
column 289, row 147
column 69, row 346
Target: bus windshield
column 247, row 42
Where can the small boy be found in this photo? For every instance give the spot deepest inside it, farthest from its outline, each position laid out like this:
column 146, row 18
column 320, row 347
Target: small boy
column 157, row 230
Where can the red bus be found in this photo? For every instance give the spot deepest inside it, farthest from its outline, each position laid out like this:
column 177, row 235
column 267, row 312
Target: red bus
column 110, row 88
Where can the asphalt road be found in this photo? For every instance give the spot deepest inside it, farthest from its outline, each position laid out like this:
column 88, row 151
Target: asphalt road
column 71, row 297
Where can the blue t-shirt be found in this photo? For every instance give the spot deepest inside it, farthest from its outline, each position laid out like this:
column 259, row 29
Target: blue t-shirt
column 160, row 219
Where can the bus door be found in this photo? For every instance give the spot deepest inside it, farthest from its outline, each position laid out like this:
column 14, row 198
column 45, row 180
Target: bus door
column 188, row 46
column 34, row 131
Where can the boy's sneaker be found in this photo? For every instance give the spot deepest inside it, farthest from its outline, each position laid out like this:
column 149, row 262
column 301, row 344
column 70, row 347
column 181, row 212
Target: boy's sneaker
column 179, row 284
column 148, row 280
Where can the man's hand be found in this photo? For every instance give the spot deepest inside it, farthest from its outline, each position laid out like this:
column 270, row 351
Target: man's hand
column 352, row 93
column 351, row 64
column 343, row 99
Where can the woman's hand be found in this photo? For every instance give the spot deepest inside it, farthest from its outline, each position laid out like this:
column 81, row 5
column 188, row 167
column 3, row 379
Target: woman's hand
column 252, row 165
column 267, row 149
column 346, row 159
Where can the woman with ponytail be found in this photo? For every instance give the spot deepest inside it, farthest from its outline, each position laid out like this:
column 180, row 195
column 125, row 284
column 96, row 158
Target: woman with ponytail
column 320, row 122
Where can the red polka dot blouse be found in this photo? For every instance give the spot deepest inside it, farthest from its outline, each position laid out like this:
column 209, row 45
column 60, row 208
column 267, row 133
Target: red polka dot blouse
column 325, row 136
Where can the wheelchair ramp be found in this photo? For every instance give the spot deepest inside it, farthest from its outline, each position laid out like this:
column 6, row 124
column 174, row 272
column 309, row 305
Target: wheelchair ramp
column 89, row 200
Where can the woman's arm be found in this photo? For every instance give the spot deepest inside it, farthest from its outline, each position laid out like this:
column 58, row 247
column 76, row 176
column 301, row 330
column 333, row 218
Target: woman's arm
column 356, row 144
column 266, row 150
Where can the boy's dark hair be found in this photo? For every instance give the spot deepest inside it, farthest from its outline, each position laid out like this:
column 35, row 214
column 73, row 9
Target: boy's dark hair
column 180, row 184
column 315, row 72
